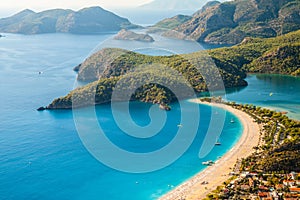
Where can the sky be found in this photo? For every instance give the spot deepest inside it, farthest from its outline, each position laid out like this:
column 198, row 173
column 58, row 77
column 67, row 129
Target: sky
column 12, row 6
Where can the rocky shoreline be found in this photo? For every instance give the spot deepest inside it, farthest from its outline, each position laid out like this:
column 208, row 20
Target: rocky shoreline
column 132, row 36
column 165, row 107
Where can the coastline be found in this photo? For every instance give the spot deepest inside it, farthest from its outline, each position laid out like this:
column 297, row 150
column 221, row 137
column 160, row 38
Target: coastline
column 215, row 175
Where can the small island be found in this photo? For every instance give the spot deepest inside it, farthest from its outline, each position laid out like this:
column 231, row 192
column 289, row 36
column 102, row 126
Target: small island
column 132, row 36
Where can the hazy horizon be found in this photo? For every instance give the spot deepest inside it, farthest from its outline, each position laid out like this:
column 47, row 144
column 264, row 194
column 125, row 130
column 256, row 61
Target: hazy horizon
column 11, row 7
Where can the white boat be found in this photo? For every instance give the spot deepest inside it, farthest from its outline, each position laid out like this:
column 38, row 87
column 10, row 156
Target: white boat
column 218, row 142
column 209, row 162
column 231, row 121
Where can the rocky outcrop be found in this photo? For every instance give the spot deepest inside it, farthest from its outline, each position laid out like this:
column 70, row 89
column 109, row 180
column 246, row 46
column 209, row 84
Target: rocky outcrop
column 132, row 36
column 91, row 20
column 164, row 107
column 41, row 108
column 230, row 22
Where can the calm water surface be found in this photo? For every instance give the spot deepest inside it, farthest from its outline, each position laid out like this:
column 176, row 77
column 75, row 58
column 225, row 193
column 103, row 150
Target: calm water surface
column 41, row 155
column 276, row 92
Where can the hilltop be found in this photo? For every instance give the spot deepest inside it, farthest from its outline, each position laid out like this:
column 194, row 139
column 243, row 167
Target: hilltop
column 91, row 20
column 107, row 66
column 230, row 22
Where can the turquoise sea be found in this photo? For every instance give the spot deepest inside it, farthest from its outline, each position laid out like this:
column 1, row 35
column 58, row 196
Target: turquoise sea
column 276, row 92
column 41, row 154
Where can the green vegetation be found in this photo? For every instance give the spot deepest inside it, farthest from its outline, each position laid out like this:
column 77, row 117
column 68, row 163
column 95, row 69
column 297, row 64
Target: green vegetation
column 108, row 66
column 149, row 78
column 274, row 55
column 268, row 169
column 280, row 150
column 85, row 96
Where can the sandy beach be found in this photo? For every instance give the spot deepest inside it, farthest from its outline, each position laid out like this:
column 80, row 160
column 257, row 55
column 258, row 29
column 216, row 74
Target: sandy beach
column 218, row 173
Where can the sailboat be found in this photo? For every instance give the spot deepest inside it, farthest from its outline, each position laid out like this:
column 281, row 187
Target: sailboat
column 231, row 121
column 179, row 125
column 218, row 142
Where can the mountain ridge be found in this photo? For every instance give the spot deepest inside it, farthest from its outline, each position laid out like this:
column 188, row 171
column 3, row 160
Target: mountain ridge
column 91, row 20
column 231, row 21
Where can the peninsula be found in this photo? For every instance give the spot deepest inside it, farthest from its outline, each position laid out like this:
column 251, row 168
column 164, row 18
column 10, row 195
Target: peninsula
column 107, row 66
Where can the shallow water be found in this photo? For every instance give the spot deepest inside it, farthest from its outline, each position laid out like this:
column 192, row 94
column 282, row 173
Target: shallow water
column 41, row 154
column 278, row 92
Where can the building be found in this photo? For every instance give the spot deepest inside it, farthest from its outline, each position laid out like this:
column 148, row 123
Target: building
column 289, row 183
column 295, row 190
column 263, row 195
column 279, row 186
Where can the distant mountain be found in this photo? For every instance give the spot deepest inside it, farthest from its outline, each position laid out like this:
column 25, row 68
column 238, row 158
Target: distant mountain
column 230, row 22
column 91, row 20
column 207, row 6
column 174, row 5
